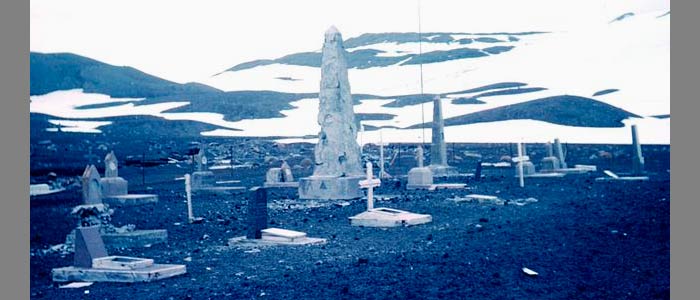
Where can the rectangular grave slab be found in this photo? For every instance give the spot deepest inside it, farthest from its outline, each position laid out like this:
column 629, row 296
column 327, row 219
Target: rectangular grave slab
column 147, row 274
column 277, row 234
column 439, row 186
column 544, row 175
column 130, row 199
column 388, row 217
column 623, row 178
column 244, row 242
column 121, row 263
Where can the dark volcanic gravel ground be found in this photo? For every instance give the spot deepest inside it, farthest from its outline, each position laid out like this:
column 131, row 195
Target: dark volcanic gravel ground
column 586, row 239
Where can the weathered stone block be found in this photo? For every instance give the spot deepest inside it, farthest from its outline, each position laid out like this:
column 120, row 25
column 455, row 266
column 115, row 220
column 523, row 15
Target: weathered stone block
column 326, row 187
column 114, row 186
column 419, row 178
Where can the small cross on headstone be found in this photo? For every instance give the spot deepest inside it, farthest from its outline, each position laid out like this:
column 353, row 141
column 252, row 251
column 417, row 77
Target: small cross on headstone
column 370, row 183
column 419, row 156
column 201, row 159
column 111, row 165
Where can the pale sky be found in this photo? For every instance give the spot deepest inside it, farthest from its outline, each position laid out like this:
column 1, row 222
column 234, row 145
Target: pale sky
column 186, row 41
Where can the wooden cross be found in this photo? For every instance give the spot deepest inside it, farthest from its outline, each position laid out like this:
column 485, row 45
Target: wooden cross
column 520, row 159
column 370, row 183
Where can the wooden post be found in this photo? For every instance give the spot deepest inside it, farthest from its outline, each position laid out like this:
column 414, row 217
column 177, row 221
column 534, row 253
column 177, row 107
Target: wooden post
column 520, row 165
column 188, row 190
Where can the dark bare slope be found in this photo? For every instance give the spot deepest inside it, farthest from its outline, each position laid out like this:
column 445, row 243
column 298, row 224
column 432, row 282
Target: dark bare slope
column 564, row 110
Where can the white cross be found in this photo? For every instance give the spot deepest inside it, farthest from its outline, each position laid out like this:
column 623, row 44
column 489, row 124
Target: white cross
column 520, row 159
column 370, row 183
column 382, row 173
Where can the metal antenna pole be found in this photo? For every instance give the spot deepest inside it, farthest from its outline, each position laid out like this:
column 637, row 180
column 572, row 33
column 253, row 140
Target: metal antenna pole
column 420, row 54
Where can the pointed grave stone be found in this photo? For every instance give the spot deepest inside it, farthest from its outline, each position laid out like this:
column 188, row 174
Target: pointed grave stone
column 115, row 190
column 438, row 149
column 92, row 191
column 88, row 246
column 91, row 263
column 337, row 153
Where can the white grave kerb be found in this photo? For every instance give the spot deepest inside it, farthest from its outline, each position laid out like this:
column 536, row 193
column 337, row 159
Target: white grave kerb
column 370, row 183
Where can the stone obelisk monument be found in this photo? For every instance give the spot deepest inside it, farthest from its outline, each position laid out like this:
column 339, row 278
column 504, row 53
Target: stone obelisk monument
column 438, row 150
column 338, row 170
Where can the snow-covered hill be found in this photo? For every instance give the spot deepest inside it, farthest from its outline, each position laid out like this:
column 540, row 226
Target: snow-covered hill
column 623, row 64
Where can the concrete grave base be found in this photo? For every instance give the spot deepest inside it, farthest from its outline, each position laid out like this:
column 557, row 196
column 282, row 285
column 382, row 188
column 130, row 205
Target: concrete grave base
column 277, row 236
column 133, row 239
column 388, row 217
column 294, row 184
column 624, row 178
column 543, row 175
column 114, row 186
column 146, row 274
column 550, row 164
column 130, row 199
column 203, row 179
column 443, row 171
column 326, row 188
column 419, row 178
column 577, row 170
column 219, row 189
column 440, row 186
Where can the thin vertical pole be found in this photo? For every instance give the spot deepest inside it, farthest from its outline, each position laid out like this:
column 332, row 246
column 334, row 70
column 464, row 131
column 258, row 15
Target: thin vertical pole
column 520, row 164
column 370, row 192
column 420, row 54
column 188, row 190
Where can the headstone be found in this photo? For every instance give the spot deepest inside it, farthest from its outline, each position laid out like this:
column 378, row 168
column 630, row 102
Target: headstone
column 115, row 190
column 287, row 175
column 280, row 177
column 438, row 149
column 257, row 212
column 91, row 263
column 477, row 173
column 112, row 184
column 551, row 162
column 111, row 165
column 92, row 192
column 419, row 177
column 188, row 190
column 560, row 153
column 88, row 246
column 337, row 154
column 638, row 158
column 202, row 178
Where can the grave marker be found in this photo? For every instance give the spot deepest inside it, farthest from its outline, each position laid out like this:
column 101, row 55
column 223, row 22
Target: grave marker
column 92, row 192
column 337, row 154
column 638, row 158
column 257, row 212
column 438, row 149
column 370, row 183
